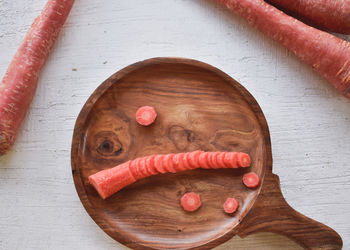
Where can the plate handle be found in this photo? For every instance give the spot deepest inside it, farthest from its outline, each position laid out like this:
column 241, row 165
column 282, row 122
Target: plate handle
column 271, row 213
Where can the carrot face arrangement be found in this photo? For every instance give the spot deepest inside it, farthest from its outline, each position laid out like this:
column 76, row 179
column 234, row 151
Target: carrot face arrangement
column 110, row 181
column 20, row 81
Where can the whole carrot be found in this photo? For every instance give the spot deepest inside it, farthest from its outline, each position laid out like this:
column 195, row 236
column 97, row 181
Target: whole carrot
column 327, row 54
column 331, row 15
column 20, row 81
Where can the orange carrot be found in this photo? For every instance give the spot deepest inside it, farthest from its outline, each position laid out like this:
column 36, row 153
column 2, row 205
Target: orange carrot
column 327, row 54
column 331, row 15
column 20, row 81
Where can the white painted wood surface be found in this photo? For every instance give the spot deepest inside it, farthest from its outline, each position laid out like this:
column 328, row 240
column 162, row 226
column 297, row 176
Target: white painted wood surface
column 309, row 121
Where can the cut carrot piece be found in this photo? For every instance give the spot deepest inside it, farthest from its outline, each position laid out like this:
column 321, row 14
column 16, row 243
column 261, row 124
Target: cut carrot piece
column 136, row 166
column 243, row 160
column 193, row 159
column 133, row 169
column 230, row 160
column 159, row 164
column 168, row 163
column 146, row 115
column 178, row 160
column 155, row 164
column 186, row 160
column 251, row 180
column 150, row 165
column 212, row 160
column 142, row 167
column 230, row 205
column 203, row 160
column 111, row 180
column 220, row 160
column 190, row 202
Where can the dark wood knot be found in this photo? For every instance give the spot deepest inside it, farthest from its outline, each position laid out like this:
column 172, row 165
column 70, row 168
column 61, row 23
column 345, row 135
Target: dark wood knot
column 107, row 143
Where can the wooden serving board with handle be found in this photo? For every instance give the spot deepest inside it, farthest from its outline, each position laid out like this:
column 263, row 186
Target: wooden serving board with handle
column 199, row 108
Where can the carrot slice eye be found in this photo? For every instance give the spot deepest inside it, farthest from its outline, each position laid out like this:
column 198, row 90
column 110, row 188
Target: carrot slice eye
column 251, row 180
column 190, row 202
column 146, row 115
column 230, row 205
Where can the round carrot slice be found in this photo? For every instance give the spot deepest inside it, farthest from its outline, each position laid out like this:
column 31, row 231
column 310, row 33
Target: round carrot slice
column 190, row 202
column 251, row 180
column 230, row 205
column 146, row 115
column 168, row 163
column 243, row 160
column 159, row 164
column 142, row 167
column 193, row 159
column 150, row 165
column 230, row 160
column 178, row 160
column 133, row 168
column 186, row 161
column 203, row 160
column 220, row 160
column 212, row 160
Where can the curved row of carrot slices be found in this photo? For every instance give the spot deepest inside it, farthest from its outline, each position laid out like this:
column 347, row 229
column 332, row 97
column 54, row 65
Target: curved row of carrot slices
column 109, row 181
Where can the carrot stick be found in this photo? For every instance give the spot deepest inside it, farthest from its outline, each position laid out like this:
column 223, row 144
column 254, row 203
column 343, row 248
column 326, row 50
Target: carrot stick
column 107, row 184
column 20, row 81
column 327, row 54
column 331, row 15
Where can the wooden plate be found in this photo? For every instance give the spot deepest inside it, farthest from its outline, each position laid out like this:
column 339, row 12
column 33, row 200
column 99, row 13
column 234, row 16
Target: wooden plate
column 199, row 107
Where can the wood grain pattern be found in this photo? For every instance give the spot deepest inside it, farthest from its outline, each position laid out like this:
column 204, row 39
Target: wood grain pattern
column 199, row 107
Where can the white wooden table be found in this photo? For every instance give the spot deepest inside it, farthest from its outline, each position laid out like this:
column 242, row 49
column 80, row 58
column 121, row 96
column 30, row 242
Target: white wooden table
column 309, row 121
